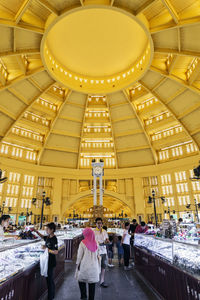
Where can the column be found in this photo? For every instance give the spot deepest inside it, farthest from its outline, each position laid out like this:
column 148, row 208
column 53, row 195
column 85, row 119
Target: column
column 57, row 197
column 95, row 191
column 101, row 190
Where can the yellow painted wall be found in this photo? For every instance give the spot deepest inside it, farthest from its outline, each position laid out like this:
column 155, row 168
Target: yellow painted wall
column 66, row 190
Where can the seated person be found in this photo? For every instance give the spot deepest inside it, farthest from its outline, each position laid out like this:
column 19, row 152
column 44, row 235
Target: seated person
column 141, row 228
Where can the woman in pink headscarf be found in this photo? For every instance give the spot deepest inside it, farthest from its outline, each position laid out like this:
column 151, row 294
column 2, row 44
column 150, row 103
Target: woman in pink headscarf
column 88, row 264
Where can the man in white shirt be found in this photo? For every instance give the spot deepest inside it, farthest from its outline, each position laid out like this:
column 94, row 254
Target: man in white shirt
column 101, row 237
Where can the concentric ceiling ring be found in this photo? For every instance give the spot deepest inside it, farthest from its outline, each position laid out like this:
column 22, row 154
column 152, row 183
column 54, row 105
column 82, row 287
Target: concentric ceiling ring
column 97, row 49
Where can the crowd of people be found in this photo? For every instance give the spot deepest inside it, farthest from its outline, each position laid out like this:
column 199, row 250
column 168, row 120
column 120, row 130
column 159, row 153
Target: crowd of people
column 95, row 253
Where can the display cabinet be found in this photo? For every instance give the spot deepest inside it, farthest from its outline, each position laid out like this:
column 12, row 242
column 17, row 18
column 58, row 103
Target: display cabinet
column 72, row 239
column 158, row 246
column 182, row 254
column 170, row 267
column 19, row 269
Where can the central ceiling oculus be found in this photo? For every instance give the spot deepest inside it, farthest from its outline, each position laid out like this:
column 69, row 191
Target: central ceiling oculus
column 97, row 49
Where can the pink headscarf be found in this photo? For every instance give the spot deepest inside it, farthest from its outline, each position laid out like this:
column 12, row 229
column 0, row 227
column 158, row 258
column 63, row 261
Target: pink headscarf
column 89, row 239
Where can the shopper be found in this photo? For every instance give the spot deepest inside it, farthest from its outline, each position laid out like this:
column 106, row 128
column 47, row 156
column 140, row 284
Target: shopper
column 110, row 251
column 133, row 227
column 120, row 251
column 51, row 243
column 102, row 240
column 141, row 228
column 180, row 221
column 4, row 223
column 126, row 246
column 88, row 264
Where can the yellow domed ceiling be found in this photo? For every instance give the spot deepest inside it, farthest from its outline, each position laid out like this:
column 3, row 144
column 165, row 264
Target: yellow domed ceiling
column 97, row 49
column 118, row 80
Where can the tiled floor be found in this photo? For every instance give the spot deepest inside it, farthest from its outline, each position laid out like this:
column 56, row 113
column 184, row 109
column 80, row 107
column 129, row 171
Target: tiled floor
column 122, row 286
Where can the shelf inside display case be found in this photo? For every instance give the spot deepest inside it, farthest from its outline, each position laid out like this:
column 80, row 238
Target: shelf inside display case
column 183, row 255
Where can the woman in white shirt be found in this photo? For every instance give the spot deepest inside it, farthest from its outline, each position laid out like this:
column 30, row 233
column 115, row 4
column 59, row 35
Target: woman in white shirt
column 88, row 267
column 4, row 222
column 126, row 246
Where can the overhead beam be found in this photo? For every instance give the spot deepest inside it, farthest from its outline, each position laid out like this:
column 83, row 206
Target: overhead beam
column 18, row 95
column 117, row 104
column 21, row 64
column 14, row 43
column 7, row 112
column 20, row 52
column 52, row 126
column 145, row 6
column 195, row 131
column 142, row 126
column 34, row 83
column 171, row 10
column 169, row 109
column 177, row 52
column 65, row 133
column 22, row 10
column 130, row 132
column 159, row 83
column 178, row 80
column 112, row 132
column 60, row 149
column 180, row 24
column 2, row 79
column 128, row 149
column 176, row 94
column 21, row 77
column 195, row 74
column 12, row 24
column 189, row 110
column 70, row 119
column 27, row 108
column 179, row 38
column 48, row 6
column 172, row 64
column 82, row 132
column 123, row 119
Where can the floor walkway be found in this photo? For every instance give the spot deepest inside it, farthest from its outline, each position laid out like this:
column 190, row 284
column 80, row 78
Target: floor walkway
column 122, row 286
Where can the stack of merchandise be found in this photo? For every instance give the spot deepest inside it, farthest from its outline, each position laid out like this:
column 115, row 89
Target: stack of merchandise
column 188, row 235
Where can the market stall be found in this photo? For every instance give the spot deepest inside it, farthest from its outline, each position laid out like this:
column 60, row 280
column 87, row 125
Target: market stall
column 171, row 267
column 71, row 239
column 19, row 269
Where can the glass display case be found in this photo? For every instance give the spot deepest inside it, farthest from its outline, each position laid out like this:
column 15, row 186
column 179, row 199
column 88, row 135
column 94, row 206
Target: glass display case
column 66, row 233
column 21, row 256
column 183, row 255
column 117, row 231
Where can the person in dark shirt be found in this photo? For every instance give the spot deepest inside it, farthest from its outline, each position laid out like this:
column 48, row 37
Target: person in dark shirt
column 133, row 227
column 110, row 251
column 51, row 243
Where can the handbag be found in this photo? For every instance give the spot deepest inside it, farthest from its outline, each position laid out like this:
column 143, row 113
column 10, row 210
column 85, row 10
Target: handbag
column 44, row 260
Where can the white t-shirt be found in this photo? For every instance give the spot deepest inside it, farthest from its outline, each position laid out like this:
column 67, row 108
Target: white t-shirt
column 100, row 239
column 1, row 233
column 127, row 237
